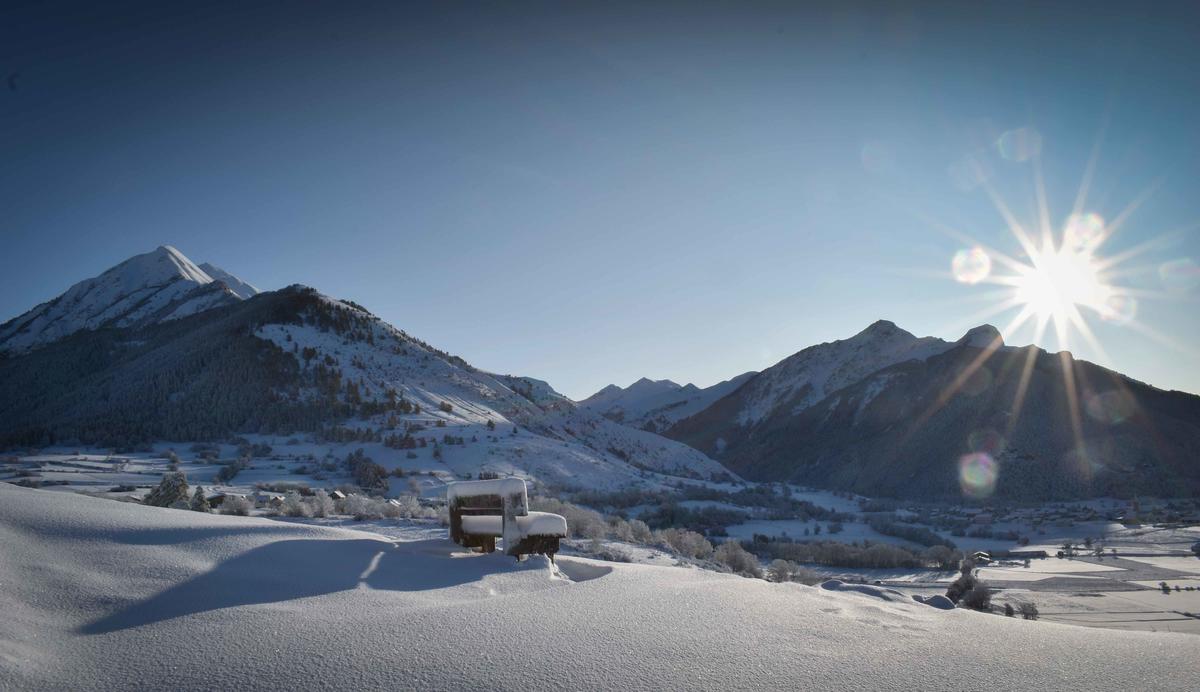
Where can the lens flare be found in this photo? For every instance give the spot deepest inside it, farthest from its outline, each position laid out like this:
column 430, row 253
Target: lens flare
column 987, row 441
column 977, row 474
column 1020, row 144
column 1180, row 275
column 971, row 266
column 1111, row 407
column 1119, row 308
column 1083, row 233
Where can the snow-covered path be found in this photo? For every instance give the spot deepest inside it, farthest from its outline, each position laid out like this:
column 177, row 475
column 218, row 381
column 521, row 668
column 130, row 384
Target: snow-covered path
column 98, row 594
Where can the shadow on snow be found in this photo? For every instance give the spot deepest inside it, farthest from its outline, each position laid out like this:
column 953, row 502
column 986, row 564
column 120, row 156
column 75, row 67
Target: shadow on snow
column 302, row 568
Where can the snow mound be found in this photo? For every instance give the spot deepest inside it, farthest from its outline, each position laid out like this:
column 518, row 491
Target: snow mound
column 873, row 591
column 103, row 595
column 936, row 601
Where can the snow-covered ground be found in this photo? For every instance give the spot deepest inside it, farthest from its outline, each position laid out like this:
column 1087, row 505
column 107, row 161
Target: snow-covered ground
column 103, row 595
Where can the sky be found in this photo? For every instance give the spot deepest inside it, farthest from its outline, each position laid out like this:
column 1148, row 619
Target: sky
column 593, row 193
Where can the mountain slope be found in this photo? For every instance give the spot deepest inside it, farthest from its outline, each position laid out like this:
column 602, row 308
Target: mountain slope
column 240, row 288
column 296, row 361
column 656, row 405
column 144, row 289
column 102, row 595
column 902, row 429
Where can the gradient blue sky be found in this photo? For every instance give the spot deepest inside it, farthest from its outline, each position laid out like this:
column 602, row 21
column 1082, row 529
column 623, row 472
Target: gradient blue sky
column 595, row 193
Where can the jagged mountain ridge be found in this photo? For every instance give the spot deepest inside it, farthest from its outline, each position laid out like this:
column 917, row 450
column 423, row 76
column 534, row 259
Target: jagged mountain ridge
column 297, row 361
column 657, row 404
column 157, row 286
column 885, row 413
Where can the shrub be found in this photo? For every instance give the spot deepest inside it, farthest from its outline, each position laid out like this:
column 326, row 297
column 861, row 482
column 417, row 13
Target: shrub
column 735, row 557
column 320, row 503
column 641, row 531
column 805, row 575
column 239, row 506
column 942, row 557
column 1028, row 610
column 978, row 597
column 362, row 507
column 295, row 506
column 781, row 570
column 685, row 543
column 229, row 471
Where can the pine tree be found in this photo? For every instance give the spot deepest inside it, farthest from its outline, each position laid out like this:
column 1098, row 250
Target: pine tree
column 199, row 502
column 171, row 489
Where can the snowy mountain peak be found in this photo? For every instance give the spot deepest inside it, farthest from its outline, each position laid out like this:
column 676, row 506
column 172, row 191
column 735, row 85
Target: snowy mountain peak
column 983, row 336
column 241, row 288
column 880, row 330
column 156, row 286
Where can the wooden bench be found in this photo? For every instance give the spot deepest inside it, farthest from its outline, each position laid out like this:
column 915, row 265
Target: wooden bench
column 482, row 511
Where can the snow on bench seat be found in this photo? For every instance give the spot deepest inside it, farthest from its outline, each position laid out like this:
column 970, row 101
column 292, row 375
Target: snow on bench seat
column 542, row 524
column 487, row 525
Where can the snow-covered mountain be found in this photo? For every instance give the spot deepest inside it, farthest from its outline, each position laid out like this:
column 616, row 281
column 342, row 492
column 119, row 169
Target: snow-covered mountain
column 295, row 361
column 657, row 404
column 886, row 413
column 805, row 378
column 240, row 288
column 145, row 289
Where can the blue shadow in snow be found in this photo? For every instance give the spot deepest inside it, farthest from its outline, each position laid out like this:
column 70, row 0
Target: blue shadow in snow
column 288, row 570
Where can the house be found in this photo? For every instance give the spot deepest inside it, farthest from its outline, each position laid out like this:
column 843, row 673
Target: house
column 265, row 499
column 337, row 495
column 217, row 499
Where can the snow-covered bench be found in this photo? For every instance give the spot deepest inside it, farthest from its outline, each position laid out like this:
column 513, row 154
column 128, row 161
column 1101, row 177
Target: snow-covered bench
column 482, row 511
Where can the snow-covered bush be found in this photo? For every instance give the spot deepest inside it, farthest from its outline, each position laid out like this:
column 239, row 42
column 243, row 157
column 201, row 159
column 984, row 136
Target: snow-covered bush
column 236, row 505
column 804, row 575
column 171, row 489
column 362, row 507
column 408, row 507
column 736, row 558
column 641, row 531
column 684, row 542
column 583, row 523
column 781, row 570
column 295, row 506
column 786, row 570
column 320, row 504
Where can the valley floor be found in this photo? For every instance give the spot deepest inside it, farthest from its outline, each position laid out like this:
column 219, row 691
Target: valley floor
column 101, row 595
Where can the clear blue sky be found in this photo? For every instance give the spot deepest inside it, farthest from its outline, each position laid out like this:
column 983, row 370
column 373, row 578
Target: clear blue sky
column 595, row 193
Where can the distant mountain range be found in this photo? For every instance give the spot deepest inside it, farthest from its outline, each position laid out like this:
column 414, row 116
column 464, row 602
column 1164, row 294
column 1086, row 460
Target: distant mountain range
column 886, row 413
column 159, row 348
column 656, row 405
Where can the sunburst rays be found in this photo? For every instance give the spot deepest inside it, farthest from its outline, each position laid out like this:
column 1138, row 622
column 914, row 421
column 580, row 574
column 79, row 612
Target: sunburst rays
column 1062, row 281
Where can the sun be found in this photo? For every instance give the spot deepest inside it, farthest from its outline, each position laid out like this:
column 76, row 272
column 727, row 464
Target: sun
column 1059, row 280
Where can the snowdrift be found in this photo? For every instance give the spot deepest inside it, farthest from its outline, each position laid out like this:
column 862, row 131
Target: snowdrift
column 100, row 595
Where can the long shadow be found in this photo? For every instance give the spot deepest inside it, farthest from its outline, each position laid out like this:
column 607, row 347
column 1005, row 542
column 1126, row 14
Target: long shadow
column 288, row 570
column 190, row 534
